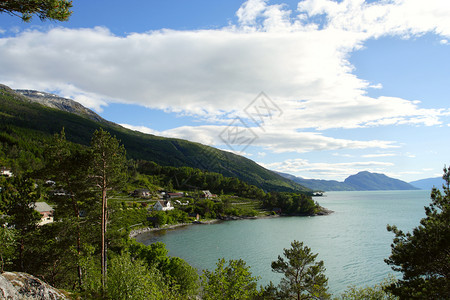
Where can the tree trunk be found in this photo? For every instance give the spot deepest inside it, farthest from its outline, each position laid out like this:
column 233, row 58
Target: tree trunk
column 21, row 249
column 3, row 263
column 104, row 225
column 103, row 243
column 79, row 271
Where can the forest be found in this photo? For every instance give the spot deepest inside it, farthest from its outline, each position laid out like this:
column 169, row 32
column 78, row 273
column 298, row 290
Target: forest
column 89, row 187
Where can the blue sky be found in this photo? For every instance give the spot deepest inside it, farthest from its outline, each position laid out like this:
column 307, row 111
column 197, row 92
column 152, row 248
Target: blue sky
column 347, row 85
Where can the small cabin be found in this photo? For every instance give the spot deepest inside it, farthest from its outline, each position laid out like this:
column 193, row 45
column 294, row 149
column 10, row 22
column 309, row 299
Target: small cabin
column 163, row 205
column 174, row 195
column 46, row 212
column 207, row 194
column 142, row 193
column 5, row 172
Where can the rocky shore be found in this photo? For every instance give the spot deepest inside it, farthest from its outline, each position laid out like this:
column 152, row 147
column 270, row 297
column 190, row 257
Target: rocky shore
column 324, row 212
column 136, row 232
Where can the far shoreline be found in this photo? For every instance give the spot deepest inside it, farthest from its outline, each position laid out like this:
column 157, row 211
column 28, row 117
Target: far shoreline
column 136, row 232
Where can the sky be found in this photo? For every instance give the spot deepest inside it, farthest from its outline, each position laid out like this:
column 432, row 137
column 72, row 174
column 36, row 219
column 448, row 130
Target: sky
column 319, row 89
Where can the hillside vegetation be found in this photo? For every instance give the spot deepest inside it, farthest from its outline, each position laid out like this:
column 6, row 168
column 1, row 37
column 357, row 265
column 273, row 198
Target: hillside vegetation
column 23, row 121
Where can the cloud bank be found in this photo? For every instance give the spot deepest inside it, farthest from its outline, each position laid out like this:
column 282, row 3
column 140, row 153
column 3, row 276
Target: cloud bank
column 329, row 171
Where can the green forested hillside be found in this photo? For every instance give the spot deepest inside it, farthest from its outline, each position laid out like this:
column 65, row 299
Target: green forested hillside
column 24, row 125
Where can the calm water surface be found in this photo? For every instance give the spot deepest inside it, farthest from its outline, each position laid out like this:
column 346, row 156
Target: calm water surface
column 352, row 242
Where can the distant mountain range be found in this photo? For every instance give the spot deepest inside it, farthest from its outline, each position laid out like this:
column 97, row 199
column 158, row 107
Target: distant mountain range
column 428, row 183
column 363, row 181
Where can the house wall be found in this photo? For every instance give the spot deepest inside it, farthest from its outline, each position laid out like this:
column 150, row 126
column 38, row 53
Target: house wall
column 46, row 217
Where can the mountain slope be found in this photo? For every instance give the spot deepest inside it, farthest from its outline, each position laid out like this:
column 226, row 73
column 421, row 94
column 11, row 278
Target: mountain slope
column 367, row 181
column 60, row 103
column 428, row 183
column 319, row 184
column 24, row 115
column 363, row 181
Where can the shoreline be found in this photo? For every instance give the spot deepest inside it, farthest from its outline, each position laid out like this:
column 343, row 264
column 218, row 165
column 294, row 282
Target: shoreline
column 137, row 232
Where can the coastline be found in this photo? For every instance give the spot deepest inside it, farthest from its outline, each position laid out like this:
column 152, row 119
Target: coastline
column 136, row 232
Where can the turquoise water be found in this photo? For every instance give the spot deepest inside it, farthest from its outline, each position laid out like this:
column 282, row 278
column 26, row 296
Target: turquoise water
column 352, row 242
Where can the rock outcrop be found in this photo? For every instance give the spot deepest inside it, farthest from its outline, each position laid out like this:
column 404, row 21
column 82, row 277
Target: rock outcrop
column 64, row 104
column 17, row 285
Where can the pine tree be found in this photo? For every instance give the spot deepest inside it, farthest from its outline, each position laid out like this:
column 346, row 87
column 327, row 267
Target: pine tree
column 21, row 194
column 108, row 171
column 46, row 9
column 232, row 281
column 67, row 165
column 423, row 256
column 304, row 278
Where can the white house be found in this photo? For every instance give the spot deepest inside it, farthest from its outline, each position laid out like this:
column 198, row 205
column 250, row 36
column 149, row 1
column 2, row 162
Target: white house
column 207, row 194
column 46, row 212
column 6, row 172
column 163, row 205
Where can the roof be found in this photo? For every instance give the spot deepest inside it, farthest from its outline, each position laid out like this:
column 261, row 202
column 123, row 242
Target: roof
column 42, row 206
column 163, row 203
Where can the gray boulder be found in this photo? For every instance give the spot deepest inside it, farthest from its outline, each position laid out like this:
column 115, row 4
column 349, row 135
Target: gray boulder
column 7, row 290
column 17, row 285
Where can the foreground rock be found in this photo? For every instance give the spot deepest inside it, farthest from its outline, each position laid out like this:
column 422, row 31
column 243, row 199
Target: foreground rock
column 16, row 285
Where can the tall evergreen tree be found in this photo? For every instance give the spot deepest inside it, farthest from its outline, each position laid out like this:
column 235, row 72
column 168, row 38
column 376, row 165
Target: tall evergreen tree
column 304, row 278
column 20, row 194
column 423, row 256
column 67, row 165
column 7, row 246
column 108, row 171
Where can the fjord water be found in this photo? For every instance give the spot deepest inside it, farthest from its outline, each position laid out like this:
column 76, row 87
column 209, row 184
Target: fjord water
column 352, row 242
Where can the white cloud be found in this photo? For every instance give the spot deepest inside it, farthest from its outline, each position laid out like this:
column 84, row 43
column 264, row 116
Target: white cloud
column 277, row 142
column 377, row 86
column 262, row 154
column 143, row 129
column 342, row 154
column 274, row 141
column 327, row 171
column 301, row 142
column 250, row 11
column 397, row 17
column 378, row 155
column 206, row 72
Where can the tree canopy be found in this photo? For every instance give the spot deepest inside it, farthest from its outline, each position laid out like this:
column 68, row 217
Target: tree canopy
column 232, row 281
column 58, row 10
column 304, row 278
column 423, row 256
